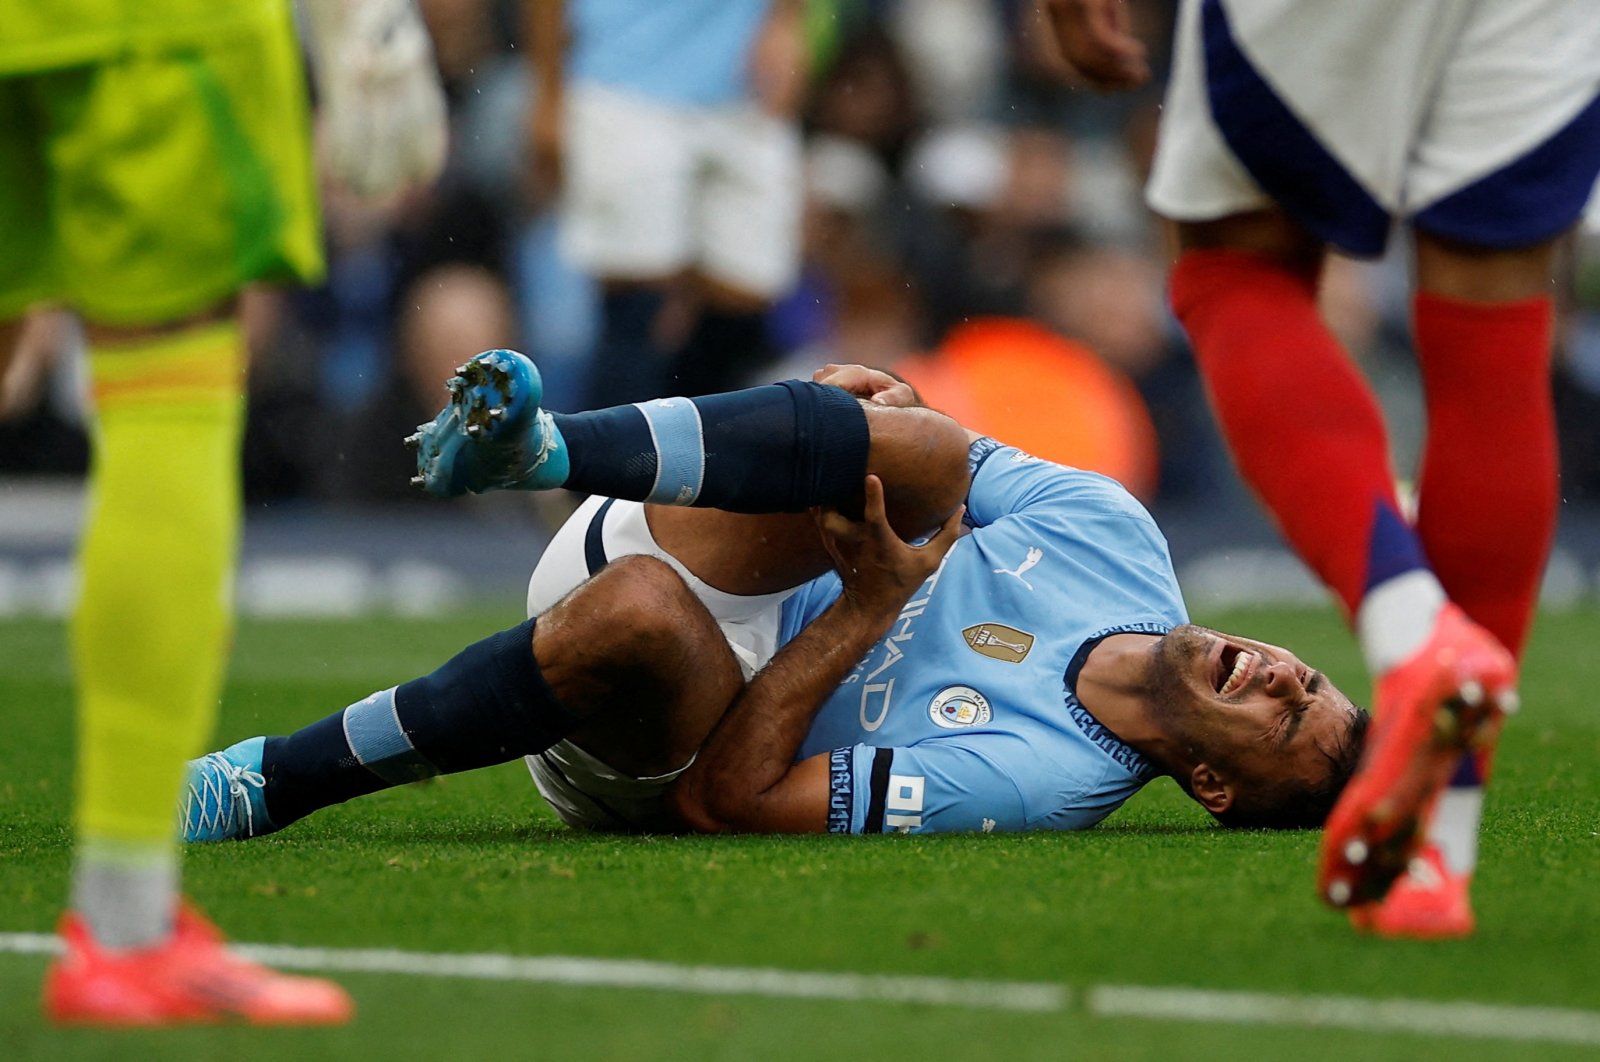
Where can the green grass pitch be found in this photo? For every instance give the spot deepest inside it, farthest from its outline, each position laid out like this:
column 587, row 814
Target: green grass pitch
column 1154, row 897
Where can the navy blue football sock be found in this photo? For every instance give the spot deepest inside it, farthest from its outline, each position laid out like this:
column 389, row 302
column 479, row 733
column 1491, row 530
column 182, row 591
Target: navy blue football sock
column 780, row 448
column 490, row 703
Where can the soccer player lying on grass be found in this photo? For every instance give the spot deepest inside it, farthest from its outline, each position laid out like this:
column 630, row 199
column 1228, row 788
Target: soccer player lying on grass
column 756, row 666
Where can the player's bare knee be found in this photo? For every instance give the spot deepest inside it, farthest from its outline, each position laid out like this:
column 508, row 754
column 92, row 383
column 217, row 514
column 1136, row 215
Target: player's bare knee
column 921, row 456
column 644, row 601
column 609, row 610
column 626, row 630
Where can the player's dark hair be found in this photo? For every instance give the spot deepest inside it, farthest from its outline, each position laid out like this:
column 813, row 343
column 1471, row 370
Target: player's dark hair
column 1292, row 806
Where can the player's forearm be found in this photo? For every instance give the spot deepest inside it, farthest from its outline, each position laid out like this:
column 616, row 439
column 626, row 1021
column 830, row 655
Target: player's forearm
column 544, row 33
column 748, row 756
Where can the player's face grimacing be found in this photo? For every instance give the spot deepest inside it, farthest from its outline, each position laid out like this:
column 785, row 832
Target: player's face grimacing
column 1255, row 711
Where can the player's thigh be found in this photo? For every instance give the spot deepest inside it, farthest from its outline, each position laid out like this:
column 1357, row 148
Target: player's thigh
column 28, row 271
column 626, row 205
column 183, row 174
column 603, row 530
column 1510, row 147
column 1271, row 233
column 749, row 201
column 640, row 656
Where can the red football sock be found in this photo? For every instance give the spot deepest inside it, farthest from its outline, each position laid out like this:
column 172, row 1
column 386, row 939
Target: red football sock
column 1303, row 425
column 1488, row 488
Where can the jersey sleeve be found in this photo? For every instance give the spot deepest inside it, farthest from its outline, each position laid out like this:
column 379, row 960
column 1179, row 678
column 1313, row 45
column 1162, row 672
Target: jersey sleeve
column 1095, row 533
column 1010, row 482
column 806, row 604
column 933, row 787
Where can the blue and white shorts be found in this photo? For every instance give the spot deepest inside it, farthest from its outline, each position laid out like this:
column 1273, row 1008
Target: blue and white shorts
column 1474, row 120
column 582, row 790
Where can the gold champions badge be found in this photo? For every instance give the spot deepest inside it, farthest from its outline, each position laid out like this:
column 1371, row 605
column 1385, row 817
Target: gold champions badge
column 999, row 642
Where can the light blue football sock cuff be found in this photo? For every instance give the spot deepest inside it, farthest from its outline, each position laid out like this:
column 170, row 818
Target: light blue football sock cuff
column 379, row 743
column 679, row 441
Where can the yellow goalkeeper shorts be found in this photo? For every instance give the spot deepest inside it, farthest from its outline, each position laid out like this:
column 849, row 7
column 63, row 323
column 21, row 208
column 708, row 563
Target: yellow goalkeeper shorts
column 147, row 187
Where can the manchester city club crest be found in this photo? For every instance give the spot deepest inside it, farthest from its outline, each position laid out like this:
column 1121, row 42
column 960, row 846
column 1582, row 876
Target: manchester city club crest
column 959, row 707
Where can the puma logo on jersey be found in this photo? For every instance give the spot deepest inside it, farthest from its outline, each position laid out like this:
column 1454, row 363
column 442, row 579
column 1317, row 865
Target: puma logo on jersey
column 1035, row 555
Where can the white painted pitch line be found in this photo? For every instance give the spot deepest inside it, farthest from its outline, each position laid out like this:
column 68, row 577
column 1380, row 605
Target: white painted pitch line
column 1419, row 1017
column 705, row 980
column 30, row 943
column 1469, row 1020
column 633, row 973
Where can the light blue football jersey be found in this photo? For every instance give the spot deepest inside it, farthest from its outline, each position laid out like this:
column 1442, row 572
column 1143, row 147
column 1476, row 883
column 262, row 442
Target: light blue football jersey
column 694, row 52
column 963, row 718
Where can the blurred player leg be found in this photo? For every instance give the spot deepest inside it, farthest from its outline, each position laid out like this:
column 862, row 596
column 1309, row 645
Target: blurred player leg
column 1306, row 432
column 1504, row 159
column 626, row 218
column 727, row 346
column 1487, row 503
column 10, row 336
column 172, row 185
column 1303, row 424
column 156, row 558
column 1236, row 137
column 748, row 201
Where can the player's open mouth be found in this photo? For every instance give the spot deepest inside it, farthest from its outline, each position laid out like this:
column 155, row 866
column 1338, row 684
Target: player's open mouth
column 1234, row 668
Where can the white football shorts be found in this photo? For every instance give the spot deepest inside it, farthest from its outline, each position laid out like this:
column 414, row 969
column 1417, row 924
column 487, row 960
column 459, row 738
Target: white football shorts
column 1475, row 120
column 590, row 795
column 653, row 188
column 581, row 789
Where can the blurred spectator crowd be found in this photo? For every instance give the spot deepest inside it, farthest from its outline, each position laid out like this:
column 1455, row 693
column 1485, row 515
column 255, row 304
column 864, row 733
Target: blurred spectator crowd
column 971, row 218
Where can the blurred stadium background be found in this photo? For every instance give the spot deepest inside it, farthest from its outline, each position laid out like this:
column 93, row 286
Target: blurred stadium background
column 951, row 174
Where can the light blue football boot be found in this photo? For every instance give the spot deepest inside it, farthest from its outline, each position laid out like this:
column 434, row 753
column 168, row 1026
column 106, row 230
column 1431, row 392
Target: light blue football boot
column 491, row 435
column 223, row 794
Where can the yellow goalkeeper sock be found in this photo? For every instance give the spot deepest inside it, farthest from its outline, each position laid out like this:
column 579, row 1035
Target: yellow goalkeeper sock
column 154, row 620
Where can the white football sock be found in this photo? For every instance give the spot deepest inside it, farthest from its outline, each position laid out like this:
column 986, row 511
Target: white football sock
column 127, row 894
column 1454, row 827
column 1396, row 617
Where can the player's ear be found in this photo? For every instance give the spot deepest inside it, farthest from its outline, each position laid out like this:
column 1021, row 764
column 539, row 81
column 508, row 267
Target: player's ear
column 1214, row 792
